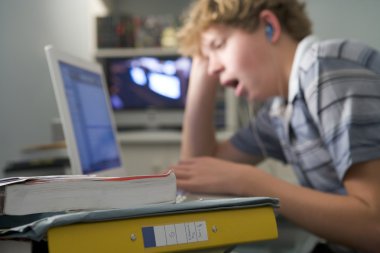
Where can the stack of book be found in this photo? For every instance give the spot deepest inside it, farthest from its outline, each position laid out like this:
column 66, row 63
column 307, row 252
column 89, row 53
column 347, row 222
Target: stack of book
column 136, row 214
column 25, row 200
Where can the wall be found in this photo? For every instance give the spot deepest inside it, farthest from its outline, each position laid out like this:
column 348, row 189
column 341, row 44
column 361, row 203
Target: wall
column 27, row 103
column 346, row 19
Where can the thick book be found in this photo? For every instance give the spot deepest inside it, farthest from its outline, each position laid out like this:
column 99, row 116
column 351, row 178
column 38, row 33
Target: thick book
column 188, row 226
column 28, row 195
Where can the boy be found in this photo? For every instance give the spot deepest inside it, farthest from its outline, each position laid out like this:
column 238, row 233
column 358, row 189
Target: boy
column 321, row 116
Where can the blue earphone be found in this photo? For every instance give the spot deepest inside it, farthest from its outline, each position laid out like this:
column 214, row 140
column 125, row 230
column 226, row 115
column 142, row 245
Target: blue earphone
column 269, row 31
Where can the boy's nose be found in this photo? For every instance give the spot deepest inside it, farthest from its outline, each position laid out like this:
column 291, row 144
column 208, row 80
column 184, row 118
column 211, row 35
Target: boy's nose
column 214, row 67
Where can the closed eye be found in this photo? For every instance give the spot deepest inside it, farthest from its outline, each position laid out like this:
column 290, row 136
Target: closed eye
column 217, row 44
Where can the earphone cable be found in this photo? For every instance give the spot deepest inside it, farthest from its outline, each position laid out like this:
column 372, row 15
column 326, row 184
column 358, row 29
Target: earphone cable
column 256, row 136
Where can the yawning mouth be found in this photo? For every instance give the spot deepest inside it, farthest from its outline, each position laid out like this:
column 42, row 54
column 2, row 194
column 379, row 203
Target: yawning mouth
column 236, row 85
column 231, row 83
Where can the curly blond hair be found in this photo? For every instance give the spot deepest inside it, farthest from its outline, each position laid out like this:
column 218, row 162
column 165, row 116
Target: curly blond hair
column 242, row 14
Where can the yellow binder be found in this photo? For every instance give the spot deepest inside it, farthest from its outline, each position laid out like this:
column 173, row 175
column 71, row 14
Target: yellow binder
column 167, row 233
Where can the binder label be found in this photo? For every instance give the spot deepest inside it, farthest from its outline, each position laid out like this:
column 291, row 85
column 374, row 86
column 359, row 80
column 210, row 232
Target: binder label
column 173, row 234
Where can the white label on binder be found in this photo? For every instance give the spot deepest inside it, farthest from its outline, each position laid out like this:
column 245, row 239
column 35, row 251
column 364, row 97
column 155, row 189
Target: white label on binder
column 171, row 236
column 191, row 233
column 174, row 234
column 201, row 229
column 159, row 235
column 181, row 233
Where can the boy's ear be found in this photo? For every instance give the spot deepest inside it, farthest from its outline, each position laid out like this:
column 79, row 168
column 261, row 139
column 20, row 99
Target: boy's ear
column 272, row 25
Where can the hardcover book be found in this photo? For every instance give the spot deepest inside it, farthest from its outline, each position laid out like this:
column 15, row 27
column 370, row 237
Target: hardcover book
column 27, row 195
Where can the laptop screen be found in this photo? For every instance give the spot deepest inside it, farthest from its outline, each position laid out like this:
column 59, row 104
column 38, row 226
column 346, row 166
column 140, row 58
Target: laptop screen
column 92, row 125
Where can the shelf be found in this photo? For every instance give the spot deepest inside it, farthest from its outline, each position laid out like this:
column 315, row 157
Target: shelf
column 138, row 51
column 160, row 137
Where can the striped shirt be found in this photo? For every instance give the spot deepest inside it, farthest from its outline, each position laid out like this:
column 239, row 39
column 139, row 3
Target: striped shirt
column 331, row 119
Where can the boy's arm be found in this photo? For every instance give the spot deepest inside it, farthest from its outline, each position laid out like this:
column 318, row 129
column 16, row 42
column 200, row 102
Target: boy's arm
column 352, row 220
column 198, row 133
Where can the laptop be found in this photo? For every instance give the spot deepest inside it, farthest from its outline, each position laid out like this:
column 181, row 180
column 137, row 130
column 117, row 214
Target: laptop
column 86, row 116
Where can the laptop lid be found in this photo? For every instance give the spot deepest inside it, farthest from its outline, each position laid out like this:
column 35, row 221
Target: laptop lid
column 86, row 115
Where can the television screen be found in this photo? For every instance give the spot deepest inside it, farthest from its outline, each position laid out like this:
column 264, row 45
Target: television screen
column 144, row 82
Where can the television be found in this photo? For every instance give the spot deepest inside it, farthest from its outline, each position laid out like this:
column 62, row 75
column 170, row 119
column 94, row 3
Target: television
column 149, row 91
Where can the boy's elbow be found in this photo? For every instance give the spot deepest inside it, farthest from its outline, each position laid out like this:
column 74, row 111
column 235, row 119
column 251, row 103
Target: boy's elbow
column 372, row 243
column 376, row 237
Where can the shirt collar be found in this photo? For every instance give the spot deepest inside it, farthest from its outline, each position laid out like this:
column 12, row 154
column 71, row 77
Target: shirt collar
column 302, row 47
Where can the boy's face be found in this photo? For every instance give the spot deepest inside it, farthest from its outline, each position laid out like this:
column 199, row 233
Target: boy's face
column 241, row 60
